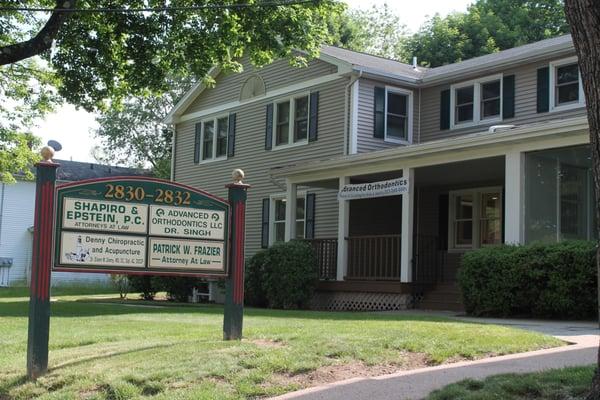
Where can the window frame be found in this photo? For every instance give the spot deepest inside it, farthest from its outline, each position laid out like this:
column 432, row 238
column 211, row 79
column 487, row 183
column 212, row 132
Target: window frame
column 553, row 66
column 214, row 157
column 291, row 121
column 409, row 115
column 477, row 194
column 478, row 118
column 282, row 196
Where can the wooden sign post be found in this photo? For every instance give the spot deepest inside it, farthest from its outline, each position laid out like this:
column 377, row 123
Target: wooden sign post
column 134, row 226
column 41, row 260
column 234, row 287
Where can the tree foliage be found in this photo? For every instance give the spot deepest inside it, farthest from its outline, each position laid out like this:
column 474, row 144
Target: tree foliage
column 113, row 61
column 487, row 26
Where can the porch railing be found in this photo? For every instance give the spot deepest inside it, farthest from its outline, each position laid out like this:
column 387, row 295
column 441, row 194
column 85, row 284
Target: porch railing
column 429, row 259
column 374, row 257
column 326, row 253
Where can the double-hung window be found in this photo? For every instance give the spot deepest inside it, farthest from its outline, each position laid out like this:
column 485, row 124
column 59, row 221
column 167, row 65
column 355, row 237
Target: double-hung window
column 475, row 218
column 476, row 102
column 291, row 121
column 398, row 115
column 566, row 90
column 278, row 206
column 214, row 138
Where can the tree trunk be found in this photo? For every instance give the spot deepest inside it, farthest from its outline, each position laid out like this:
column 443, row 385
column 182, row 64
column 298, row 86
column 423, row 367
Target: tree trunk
column 584, row 18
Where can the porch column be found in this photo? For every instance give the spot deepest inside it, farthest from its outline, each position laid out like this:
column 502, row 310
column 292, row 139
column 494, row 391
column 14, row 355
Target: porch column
column 514, row 197
column 290, row 210
column 406, row 238
column 343, row 222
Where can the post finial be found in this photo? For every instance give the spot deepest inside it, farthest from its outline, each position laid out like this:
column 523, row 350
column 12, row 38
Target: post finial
column 237, row 175
column 47, row 153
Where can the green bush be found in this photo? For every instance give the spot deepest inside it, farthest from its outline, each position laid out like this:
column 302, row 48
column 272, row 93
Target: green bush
column 540, row 280
column 144, row 284
column 179, row 288
column 283, row 276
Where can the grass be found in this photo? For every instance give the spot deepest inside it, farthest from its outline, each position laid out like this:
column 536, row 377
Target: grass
column 110, row 351
column 569, row 383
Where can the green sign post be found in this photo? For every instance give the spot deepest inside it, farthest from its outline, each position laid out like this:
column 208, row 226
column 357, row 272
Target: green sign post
column 133, row 225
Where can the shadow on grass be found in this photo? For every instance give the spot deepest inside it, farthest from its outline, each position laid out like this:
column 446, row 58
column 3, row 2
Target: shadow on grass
column 91, row 308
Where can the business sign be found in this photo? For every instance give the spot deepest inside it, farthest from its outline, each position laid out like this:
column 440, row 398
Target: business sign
column 141, row 226
column 391, row 187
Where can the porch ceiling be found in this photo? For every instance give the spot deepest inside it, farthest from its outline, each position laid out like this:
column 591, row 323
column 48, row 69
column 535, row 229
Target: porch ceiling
column 479, row 170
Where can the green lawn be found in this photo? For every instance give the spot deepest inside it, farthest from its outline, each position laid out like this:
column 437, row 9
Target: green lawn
column 100, row 350
column 568, row 383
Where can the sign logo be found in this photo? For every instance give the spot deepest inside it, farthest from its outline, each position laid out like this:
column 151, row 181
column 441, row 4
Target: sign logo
column 140, row 225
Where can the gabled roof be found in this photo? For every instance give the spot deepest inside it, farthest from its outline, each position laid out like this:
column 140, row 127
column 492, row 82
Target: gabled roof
column 370, row 65
column 77, row 171
column 528, row 53
column 374, row 64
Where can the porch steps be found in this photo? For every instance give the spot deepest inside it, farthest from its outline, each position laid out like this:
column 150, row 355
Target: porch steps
column 444, row 296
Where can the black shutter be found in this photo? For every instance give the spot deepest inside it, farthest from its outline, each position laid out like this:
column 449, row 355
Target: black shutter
column 231, row 136
column 309, row 232
column 379, row 117
column 264, row 241
column 508, row 97
column 197, row 143
column 269, row 128
column 313, row 120
column 445, row 109
column 543, row 89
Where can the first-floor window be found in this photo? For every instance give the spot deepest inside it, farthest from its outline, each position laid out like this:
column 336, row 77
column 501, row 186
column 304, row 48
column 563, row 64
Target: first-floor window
column 214, row 138
column 475, row 218
column 278, row 210
column 559, row 195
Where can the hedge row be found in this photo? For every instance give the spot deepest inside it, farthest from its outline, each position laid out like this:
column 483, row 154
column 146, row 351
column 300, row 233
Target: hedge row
column 177, row 288
column 541, row 280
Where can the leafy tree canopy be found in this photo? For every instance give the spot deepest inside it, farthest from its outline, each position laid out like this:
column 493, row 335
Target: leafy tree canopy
column 487, row 26
column 98, row 60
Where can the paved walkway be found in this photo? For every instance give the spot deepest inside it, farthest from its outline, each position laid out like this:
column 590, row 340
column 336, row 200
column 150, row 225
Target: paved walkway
column 417, row 384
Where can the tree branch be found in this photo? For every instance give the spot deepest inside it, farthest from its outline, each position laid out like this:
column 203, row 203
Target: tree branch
column 40, row 42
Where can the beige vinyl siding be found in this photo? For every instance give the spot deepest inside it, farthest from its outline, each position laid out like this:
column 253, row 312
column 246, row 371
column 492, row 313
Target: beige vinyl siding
column 276, row 75
column 525, row 104
column 251, row 156
column 365, row 140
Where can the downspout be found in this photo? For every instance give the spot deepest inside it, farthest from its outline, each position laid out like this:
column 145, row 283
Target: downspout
column 347, row 131
column 173, row 153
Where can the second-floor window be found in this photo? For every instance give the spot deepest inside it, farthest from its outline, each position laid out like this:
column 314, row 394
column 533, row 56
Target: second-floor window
column 476, row 102
column 214, row 138
column 566, row 90
column 291, row 121
column 396, row 116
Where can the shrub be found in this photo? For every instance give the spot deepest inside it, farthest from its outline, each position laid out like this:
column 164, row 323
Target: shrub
column 144, row 284
column 178, row 288
column 283, row 276
column 540, row 280
column 121, row 282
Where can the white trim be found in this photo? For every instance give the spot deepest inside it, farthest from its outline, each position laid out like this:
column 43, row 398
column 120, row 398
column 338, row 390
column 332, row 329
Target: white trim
column 282, row 196
column 407, row 228
column 409, row 116
column 476, row 193
column 514, row 197
column 477, row 117
column 354, row 92
column 342, row 234
column 552, row 70
column 214, row 158
column 287, row 90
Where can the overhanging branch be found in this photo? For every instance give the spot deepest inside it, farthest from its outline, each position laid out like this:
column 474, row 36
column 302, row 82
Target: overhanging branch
column 40, row 42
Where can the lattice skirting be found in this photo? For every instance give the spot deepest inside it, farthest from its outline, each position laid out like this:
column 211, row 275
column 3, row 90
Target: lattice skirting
column 360, row 301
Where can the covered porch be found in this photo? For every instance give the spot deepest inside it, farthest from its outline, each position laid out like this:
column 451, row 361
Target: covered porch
column 464, row 193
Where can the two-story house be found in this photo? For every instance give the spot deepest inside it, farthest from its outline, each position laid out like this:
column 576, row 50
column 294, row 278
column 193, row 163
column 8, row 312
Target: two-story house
column 495, row 150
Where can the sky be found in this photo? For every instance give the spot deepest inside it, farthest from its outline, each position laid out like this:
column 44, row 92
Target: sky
column 73, row 128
